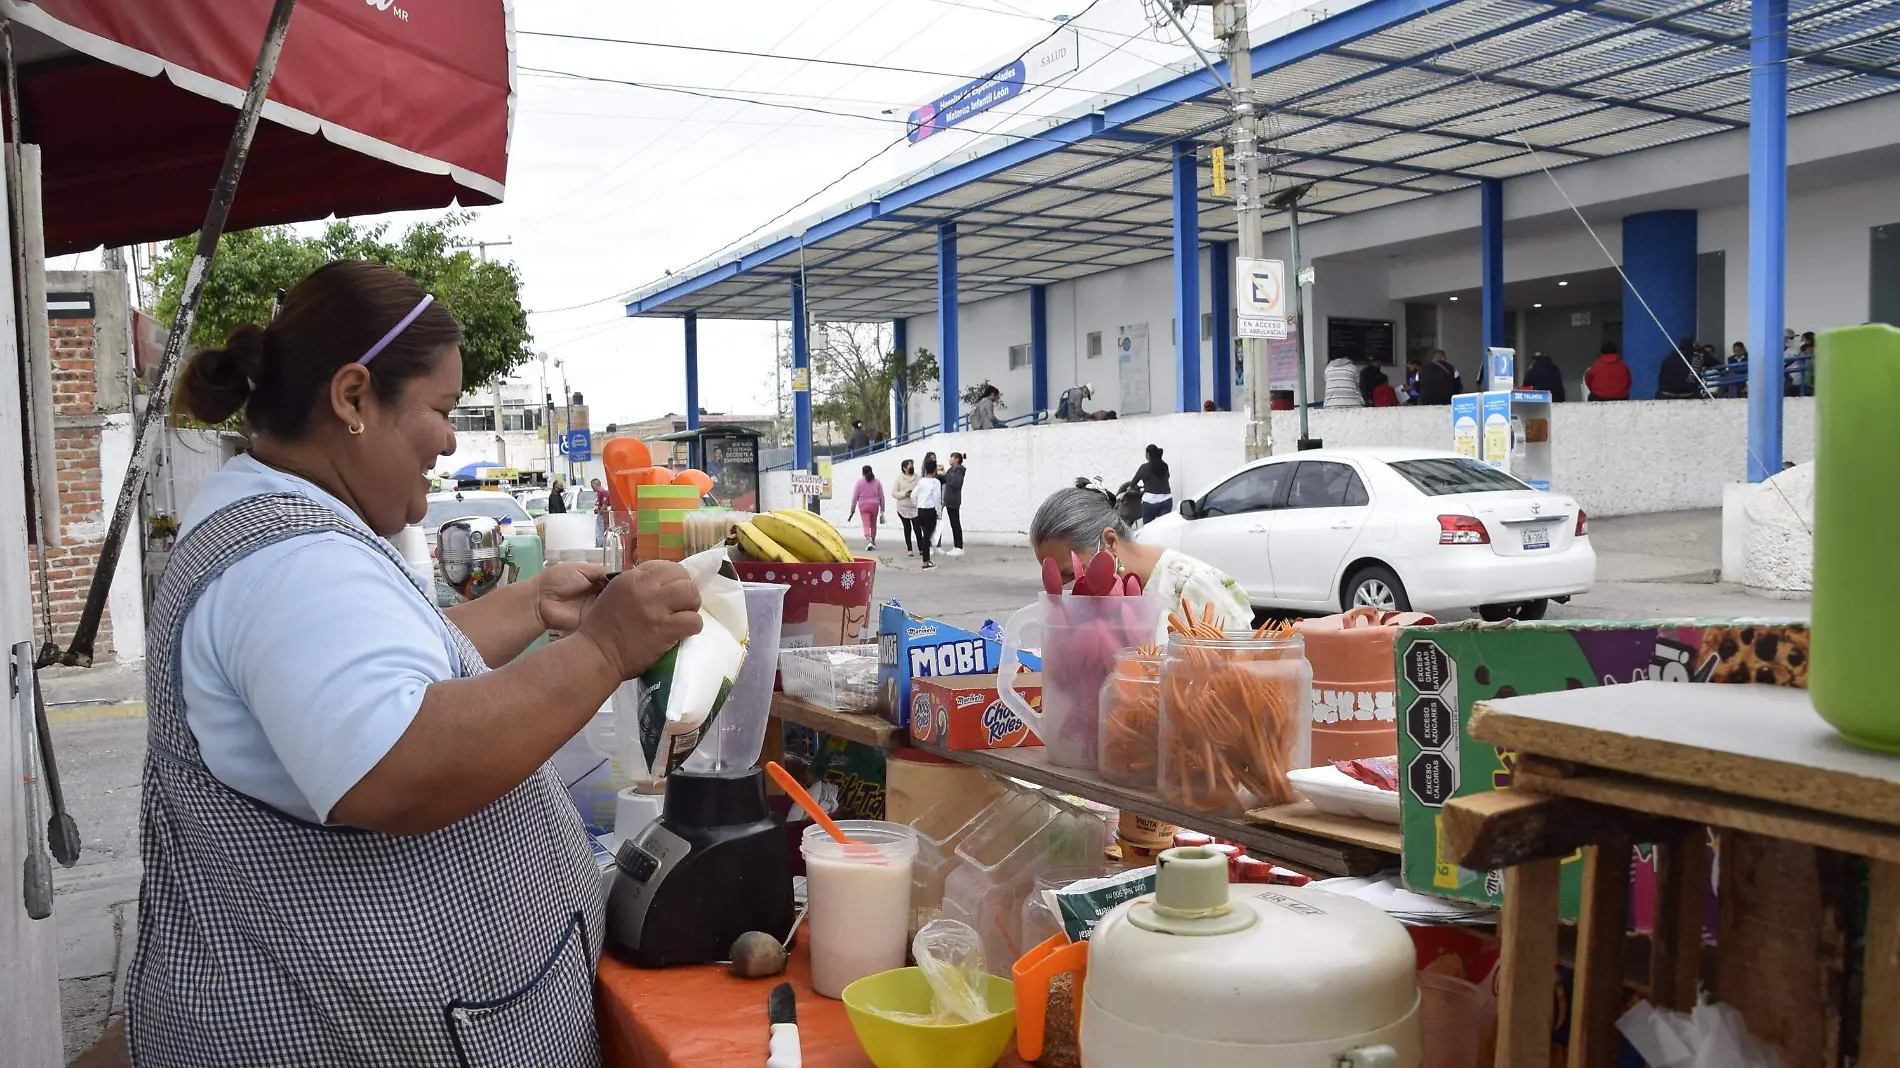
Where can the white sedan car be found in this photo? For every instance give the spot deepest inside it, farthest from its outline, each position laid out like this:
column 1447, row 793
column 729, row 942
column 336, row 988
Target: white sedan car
column 1406, row 529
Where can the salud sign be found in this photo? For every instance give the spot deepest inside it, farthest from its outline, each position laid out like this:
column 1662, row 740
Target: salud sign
column 1260, row 297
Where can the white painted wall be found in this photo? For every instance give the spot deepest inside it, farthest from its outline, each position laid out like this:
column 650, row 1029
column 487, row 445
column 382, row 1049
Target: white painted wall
column 126, row 596
column 1617, row 459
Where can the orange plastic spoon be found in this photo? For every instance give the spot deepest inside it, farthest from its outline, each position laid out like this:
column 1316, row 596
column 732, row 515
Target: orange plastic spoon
column 790, row 786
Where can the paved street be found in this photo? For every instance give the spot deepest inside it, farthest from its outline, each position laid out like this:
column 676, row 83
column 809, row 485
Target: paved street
column 1650, row 566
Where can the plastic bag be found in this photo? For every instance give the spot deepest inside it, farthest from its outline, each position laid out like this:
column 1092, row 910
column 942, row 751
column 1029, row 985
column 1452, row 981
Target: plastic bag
column 950, row 954
column 678, row 697
column 1712, row 1035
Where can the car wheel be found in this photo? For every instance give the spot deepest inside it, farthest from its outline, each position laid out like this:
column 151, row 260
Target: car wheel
column 1375, row 586
column 1497, row 613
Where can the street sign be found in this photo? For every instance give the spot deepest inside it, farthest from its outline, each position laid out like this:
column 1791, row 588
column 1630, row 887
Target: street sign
column 1306, row 276
column 1220, row 170
column 1057, row 55
column 1260, row 298
column 577, row 445
column 806, row 484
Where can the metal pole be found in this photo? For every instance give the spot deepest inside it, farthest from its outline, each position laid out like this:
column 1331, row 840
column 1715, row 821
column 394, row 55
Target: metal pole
column 1767, row 233
column 1299, row 318
column 1230, row 25
column 159, row 401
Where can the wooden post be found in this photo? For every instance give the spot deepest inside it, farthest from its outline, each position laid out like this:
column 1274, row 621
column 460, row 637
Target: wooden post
column 1880, row 985
column 1675, row 959
column 1529, row 962
column 1601, row 923
column 1781, row 945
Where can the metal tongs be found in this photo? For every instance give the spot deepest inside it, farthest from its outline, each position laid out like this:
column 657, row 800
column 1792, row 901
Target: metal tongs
column 36, row 758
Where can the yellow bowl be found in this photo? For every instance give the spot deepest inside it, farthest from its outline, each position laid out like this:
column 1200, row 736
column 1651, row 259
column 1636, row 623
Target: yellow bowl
column 895, row 1044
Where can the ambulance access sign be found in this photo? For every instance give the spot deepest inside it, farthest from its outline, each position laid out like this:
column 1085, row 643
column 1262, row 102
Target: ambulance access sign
column 1260, row 298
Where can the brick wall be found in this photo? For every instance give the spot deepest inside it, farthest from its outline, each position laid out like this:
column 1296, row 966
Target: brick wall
column 83, row 511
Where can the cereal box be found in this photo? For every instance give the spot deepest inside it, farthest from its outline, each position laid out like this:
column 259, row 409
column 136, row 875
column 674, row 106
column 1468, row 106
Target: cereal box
column 955, row 713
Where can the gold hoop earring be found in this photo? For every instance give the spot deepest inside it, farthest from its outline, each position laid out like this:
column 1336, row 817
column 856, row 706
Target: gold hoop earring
column 356, row 428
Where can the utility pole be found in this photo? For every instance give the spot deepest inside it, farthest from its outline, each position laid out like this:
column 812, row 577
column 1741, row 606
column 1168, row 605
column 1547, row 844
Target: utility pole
column 1289, row 199
column 1230, row 26
column 547, row 416
column 481, row 247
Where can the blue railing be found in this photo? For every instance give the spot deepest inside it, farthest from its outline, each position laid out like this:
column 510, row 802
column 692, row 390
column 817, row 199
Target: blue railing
column 1736, row 374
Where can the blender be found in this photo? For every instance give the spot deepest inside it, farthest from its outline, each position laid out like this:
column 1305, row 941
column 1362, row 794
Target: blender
column 715, row 864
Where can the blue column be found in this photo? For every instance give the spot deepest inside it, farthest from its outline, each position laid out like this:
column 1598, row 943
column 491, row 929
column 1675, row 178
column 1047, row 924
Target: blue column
column 1220, row 286
column 1659, row 261
column 1491, row 242
column 900, row 342
column 1187, row 278
column 692, row 371
column 952, row 405
column 801, row 398
column 1767, row 230
column 1038, row 348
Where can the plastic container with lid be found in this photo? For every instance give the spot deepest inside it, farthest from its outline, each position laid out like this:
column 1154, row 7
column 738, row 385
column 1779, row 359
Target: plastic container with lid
column 916, row 781
column 1200, row 973
column 1131, row 720
column 940, row 830
column 1234, row 721
column 859, row 895
column 1001, row 860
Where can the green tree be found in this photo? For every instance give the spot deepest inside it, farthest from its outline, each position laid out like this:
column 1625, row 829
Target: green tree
column 252, row 265
column 853, row 376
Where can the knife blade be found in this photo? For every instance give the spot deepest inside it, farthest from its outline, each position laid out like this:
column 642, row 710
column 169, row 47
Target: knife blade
column 781, row 1012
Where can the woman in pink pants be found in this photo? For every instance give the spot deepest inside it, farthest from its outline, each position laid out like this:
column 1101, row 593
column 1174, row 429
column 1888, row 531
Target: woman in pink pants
column 867, row 500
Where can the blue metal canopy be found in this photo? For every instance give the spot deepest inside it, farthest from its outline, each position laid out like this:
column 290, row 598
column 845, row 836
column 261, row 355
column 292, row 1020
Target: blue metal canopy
column 1376, row 104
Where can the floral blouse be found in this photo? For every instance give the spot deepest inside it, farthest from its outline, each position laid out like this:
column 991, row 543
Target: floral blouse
column 1179, row 577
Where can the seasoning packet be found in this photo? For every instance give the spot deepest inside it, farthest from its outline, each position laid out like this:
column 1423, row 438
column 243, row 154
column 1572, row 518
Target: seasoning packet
column 1082, row 904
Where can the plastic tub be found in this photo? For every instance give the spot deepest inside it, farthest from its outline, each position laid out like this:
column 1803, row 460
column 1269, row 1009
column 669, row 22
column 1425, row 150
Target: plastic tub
column 940, row 830
column 1131, row 720
column 1001, row 861
column 738, row 731
column 1453, row 1016
column 1039, row 918
column 838, row 677
column 891, row 1042
column 859, row 901
column 1234, row 721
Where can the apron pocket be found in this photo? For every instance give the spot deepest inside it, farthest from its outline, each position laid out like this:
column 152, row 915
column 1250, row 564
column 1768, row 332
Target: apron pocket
column 548, row 1020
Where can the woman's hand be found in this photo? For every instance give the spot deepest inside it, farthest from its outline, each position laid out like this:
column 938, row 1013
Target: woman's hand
column 566, row 593
column 641, row 615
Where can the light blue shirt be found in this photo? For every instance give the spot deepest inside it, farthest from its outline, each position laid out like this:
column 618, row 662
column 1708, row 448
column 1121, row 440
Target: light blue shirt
column 306, row 660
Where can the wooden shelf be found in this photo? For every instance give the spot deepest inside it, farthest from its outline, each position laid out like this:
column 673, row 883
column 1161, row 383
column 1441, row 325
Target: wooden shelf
column 1316, row 853
column 864, row 727
column 1301, row 816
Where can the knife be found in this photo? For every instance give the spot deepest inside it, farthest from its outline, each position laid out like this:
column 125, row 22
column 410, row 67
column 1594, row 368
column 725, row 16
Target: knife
column 781, row 1010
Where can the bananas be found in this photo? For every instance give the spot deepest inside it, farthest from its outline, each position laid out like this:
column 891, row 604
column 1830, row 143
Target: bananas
column 791, row 536
column 804, row 535
column 757, row 545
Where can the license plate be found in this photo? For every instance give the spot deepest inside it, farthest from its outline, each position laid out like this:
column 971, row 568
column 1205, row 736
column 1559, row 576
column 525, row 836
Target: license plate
column 1536, row 537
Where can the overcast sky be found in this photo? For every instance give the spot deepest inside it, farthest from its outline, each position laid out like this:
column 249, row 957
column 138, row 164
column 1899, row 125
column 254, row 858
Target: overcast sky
column 610, row 185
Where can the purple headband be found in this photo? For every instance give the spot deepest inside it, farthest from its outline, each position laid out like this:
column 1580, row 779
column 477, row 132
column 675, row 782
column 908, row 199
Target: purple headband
column 401, row 325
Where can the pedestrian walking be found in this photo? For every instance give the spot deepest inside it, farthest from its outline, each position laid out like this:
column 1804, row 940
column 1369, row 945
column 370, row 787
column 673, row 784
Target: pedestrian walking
column 859, row 440
column 901, row 492
column 1157, row 494
column 927, row 497
column 952, row 480
column 867, row 503
column 983, row 412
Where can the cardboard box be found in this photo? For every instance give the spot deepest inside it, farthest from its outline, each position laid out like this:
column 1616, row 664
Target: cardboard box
column 1444, row 670
column 911, row 647
column 958, row 713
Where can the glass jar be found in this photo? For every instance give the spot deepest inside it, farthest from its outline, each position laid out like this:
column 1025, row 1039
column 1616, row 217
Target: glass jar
column 1131, row 720
column 1234, row 721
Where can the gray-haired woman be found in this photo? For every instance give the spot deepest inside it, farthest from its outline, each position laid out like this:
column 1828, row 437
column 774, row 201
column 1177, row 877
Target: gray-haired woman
column 1083, row 521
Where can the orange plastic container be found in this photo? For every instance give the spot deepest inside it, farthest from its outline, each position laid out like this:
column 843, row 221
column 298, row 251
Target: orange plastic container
column 1355, row 688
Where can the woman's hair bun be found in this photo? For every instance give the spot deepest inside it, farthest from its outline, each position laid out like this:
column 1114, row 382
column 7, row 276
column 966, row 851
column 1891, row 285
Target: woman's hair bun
column 215, row 384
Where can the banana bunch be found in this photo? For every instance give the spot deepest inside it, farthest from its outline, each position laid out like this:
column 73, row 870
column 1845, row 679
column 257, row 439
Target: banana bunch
column 791, row 536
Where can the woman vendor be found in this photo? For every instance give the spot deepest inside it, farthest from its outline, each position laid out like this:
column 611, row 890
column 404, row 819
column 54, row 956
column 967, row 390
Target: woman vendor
column 354, row 850
column 1083, row 520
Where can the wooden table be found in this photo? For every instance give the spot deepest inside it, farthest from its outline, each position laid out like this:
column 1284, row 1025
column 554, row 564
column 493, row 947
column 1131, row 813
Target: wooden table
column 702, row 1016
column 867, row 728
column 1796, row 810
column 1313, row 852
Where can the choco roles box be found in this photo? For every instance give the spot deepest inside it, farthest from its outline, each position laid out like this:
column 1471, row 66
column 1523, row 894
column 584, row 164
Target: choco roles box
column 960, row 714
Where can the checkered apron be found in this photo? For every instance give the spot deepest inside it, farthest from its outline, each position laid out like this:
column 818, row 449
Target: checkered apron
column 266, row 940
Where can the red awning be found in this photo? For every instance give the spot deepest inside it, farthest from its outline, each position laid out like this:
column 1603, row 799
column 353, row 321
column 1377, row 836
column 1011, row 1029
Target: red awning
column 378, row 105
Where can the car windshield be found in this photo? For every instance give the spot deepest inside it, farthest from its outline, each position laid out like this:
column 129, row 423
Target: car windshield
column 1454, row 474
column 442, row 511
